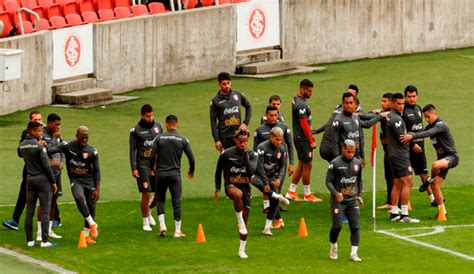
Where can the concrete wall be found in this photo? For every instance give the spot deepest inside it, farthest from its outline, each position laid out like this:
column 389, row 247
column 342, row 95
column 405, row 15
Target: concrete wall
column 34, row 86
column 166, row 48
column 316, row 31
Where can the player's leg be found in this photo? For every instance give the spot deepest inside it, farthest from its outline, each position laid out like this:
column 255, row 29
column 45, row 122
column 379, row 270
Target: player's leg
column 153, row 202
column 31, row 197
column 144, row 187
column 352, row 213
column 336, row 214
column 161, row 188
column 78, row 192
column 176, row 190
column 388, row 182
column 395, row 197
column 297, row 174
column 91, row 205
column 45, row 195
column 307, row 166
column 14, row 222
column 441, row 168
column 52, row 211
column 235, row 194
column 274, row 204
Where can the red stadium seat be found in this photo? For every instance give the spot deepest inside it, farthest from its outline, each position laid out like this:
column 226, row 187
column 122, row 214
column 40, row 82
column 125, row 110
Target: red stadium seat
column 90, row 17
column 12, row 6
column 122, row 12
column 7, row 23
column 138, row 10
column 70, row 8
column 106, row 14
column 74, row 19
column 39, row 11
column 207, row 3
column 58, row 22
column 157, row 7
column 105, row 4
column 191, row 4
column 86, row 6
column 46, row 3
column 123, row 3
column 27, row 27
column 54, row 10
column 60, row 2
column 30, row 4
column 44, row 24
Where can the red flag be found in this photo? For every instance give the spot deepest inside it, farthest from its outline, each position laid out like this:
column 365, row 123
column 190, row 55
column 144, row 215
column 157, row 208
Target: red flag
column 374, row 144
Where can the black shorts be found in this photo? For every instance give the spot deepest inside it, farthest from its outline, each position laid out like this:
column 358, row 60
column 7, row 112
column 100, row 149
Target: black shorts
column 400, row 167
column 453, row 162
column 304, row 150
column 227, row 142
column 145, row 177
column 418, row 162
column 326, row 154
column 246, row 194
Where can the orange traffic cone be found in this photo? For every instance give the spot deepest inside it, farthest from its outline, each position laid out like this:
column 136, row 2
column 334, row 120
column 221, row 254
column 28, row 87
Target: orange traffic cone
column 82, row 240
column 442, row 214
column 303, row 232
column 200, row 238
column 409, row 206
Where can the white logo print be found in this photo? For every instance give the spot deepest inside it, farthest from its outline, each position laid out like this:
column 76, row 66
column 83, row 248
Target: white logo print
column 351, row 180
column 416, row 127
column 398, row 124
column 238, row 170
column 335, row 123
column 234, row 109
column 148, row 143
column 302, row 111
column 353, row 135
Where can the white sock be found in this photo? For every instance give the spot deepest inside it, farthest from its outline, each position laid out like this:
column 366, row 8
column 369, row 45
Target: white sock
column 333, row 245
column 354, row 250
column 404, row 209
column 432, row 198
column 161, row 219
column 274, row 196
column 307, row 189
column 268, row 223
column 292, row 187
column 394, row 209
column 442, row 206
column 266, row 203
column 177, row 226
column 430, row 179
column 39, row 227
column 145, row 221
column 86, row 231
column 242, row 245
column 240, row 218
column 50, row 226
column 90, row 220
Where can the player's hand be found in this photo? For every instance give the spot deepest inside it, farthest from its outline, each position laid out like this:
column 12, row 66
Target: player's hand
column 216, row 195
column 417, row 148
column 54, row 162
column 218, row 145
column 43, row 143
column 277, row 183
column 378, row 110
column 291, row 169
column 339, row 197
column 151, row 172
column 313, row 145
column 135, row 173
column 190, row 175
column 96, row 194
column 361, row 201
column 54, row 188
column 266, row 188
column 243, row 126
column 363, row 162
column 406, row 138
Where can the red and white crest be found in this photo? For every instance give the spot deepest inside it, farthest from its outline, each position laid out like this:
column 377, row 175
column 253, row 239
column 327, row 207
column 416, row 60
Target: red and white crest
column 278, row 155
column 257, row 23
column 356, row 167
column 72, row 50
column 156, row 130
column 85, row 155
column 236, row 97
column 336, row 210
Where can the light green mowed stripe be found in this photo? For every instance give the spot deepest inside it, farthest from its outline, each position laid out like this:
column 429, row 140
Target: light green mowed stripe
column 9, row 264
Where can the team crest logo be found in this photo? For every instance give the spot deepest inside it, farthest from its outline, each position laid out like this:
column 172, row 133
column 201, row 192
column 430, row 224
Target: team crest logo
column 72, row 50
column 336, row 210
column 310, row 154
column 409, row 168
column 356, row 167
column 85, row 155
column 156, row 130
column 236, row 98
column 257, row 23
column 278, row 155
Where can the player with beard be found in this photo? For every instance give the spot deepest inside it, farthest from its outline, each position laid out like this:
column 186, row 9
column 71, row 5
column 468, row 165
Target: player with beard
column 141, row 141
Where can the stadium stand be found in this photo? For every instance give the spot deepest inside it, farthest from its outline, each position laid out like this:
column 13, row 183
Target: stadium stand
column 58, row 22
column 44, row 24
column 191, row 3
column 74, row 19
column 123, row 3
column 122, row 12
column 207, row 3
column 138, row 10
column 156, row 7
column 106, row 14
column 90, row 17
column 7, row 23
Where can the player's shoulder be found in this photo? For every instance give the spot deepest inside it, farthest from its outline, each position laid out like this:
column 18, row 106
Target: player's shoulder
column 134, row 129
column 356, row 161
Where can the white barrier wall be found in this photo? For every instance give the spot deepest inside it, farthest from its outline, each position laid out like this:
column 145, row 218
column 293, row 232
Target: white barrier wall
column 73, row 51
column 316, row 31
column 258, row 24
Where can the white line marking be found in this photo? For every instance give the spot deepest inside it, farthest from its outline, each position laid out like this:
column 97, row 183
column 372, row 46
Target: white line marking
column 435, row 247
column 437, row 229
column 28, row 259
column 428, row 227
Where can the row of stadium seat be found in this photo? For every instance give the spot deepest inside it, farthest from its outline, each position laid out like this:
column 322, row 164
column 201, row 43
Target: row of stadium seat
column 66, row 13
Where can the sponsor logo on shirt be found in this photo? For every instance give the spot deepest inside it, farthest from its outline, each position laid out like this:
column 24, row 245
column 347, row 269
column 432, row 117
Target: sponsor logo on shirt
column 239, row 179
column 302, row 111
column 434, row 141
column 417, row 127
column 335, row 123
column 232, row 121
column 353, row 135
column 232, row 110
column 351, row 180
column 238, row 169
column 148, row 143
column 398, row 124
column 76, row 163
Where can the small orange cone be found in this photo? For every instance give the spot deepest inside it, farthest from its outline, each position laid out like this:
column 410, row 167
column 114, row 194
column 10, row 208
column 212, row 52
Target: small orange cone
column 82, row 241
column 303, row 232
column 442, row 214
column 200, row 238
column 409, row 206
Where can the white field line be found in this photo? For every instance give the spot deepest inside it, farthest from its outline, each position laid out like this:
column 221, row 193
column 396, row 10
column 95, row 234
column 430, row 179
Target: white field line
column 435, row 247
column 28, row 259
column 428, row 227
column 73, row 203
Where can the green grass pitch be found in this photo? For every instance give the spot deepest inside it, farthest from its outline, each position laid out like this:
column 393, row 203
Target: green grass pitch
column 443, row 78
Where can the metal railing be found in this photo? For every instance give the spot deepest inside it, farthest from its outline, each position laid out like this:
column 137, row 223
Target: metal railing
column 20, row 21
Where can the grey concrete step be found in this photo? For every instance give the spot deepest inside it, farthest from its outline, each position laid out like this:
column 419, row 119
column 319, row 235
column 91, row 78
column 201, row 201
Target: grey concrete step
column 114, row 100
column 268, row 66
column 85, row 96
column 297, row 70
column 257, row 56
column 74, row 84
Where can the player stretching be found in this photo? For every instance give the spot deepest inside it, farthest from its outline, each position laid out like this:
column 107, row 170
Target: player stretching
column 82, row 162
column 443, row 143
column 343, row 180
